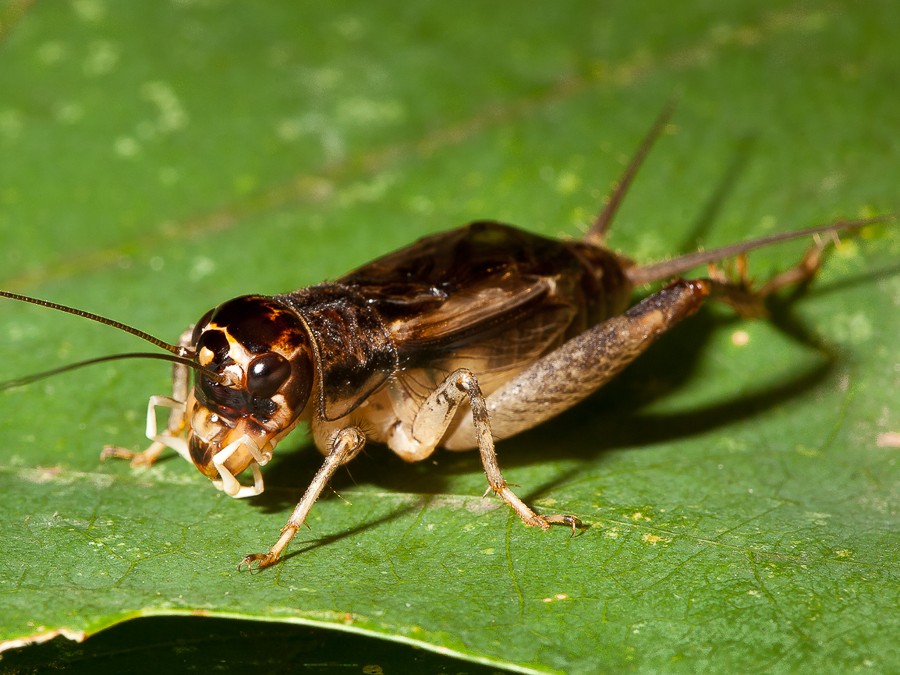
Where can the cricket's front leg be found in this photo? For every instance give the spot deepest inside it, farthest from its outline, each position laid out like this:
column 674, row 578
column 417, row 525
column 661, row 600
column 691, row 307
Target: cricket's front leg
column 345, row 445
column 430, row 425
column 173, row 436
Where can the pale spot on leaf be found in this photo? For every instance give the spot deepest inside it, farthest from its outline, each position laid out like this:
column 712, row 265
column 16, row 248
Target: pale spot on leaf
column 126, row 146
column 101, row 58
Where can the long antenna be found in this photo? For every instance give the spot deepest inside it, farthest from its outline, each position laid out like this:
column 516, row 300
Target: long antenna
column 183, row 352
column 28, row 379
column 177, row 354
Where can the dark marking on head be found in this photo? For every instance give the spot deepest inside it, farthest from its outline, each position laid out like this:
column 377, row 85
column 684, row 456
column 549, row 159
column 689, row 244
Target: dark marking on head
column 233, row 403
column 259, row 324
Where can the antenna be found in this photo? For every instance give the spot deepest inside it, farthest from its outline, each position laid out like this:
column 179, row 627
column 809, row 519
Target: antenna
column 177, row 354
column 183, row 352
column 28, row 379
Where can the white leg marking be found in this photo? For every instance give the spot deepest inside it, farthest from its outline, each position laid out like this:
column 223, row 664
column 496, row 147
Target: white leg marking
column 229, row 483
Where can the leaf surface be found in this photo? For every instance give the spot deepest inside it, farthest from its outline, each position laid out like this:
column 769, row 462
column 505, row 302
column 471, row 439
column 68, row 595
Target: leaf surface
column 161, row 159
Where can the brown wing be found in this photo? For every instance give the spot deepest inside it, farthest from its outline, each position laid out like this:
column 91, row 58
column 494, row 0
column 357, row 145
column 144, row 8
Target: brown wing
column 488, row 297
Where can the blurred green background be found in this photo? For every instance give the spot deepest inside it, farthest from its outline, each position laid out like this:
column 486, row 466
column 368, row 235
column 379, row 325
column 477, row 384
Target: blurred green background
column 161, row 157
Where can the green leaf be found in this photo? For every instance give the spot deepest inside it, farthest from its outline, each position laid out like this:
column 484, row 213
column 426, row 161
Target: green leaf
column 739, row 483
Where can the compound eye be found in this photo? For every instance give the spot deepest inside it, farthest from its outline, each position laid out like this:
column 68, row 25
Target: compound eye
column 267, row 373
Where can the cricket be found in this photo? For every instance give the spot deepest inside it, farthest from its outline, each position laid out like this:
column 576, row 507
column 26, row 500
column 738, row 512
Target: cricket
column 465, row 336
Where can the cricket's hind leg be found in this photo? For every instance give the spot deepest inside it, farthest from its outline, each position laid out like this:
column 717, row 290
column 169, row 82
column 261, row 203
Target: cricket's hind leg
column 551, row 385
column 585, row 363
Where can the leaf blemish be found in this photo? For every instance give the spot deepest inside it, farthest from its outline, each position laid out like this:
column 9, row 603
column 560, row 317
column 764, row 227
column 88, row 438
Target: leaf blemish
column 654, row 539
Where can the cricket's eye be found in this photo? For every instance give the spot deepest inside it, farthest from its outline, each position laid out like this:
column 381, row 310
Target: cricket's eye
column 267, row 373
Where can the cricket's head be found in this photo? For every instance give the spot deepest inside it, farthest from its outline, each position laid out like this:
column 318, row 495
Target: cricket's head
column 256, row 378
column 254, row 363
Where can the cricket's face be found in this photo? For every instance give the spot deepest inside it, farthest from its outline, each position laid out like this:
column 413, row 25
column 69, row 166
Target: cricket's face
column 261, row 355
